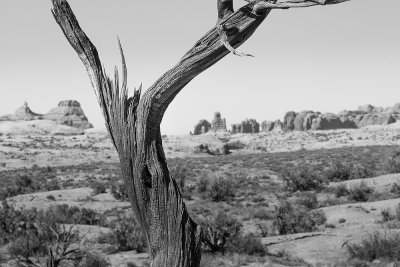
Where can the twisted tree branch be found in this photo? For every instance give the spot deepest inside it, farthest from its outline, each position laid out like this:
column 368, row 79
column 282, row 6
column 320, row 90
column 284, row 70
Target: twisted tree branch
column 134, row 122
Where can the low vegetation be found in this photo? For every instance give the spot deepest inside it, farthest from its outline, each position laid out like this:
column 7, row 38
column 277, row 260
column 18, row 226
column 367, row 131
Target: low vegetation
column 377, row 246
column 289, row 219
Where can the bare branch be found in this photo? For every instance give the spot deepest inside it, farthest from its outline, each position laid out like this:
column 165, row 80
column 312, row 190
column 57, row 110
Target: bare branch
column 285, row 4
column 224, row 38
column 225, row 8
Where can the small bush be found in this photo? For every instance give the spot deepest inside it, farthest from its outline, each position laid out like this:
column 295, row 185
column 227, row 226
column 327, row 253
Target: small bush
column 392, row 163
column 221, row 189
column 376, row 246
column 386, row 215
column 339, row 171
column 395, row 189
column 341, row 190
column 202, row 184
column 246, row 244
column 73, row 215
column 94, row 260
column 128, row 235
column 262, row 214
column 308, row 200
column 180, row 174
column 119, row 191
column 290, row 220
column 98, row 188
column 264, row 228
column 302, row 179
column 219, row 231
column 360, row 193
column 51, row 198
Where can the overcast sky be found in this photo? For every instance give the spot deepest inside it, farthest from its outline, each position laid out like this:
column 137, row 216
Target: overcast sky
column 320, row 58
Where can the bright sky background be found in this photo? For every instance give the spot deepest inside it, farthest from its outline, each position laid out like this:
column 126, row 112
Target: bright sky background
column 319, row 58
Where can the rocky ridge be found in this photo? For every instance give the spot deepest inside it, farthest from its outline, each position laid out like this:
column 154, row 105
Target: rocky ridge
column 68, row 113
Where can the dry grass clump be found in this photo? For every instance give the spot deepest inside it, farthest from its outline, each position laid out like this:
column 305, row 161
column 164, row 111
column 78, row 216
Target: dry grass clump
column 376, row 246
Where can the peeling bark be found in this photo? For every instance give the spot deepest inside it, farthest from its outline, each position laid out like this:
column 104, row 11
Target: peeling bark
column 134, row 124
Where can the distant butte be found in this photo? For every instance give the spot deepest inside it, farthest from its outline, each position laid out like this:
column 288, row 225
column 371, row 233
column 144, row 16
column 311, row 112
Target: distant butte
column 68, row 112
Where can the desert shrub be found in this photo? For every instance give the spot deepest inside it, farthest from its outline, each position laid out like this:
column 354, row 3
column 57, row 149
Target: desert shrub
column 94, row 260
column 221, row 189
column 341, row 190
column 52, row 185
column 339, row 171
column 246, row 244
column 302, row 179
column 13, row 223
column 395, row 189
column 8, row 191
column 27, row 246
column 330, row 202
column 386, row 215
column 219, row 230
column 51, row 198
column 376, row 246
column 24, row 181
column 264, row 228
column 261, row 214
column 119, row 191
column 74, row 215
column 98, row 188
column 202, row 184
column 128, row 235
column 180, row 174
column 392, row 163
column 36, row 234
column 290, row 220
column 360, row 171
column 360, row 193
column 308, row 200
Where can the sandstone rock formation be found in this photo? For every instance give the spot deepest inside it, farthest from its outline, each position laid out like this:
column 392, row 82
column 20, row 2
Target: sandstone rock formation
column 370, row 109
column 246, row 126
column 309, row 120
column 288, row 121
column 70, row 113
column 278, row 126
column 303, row 120
column 67, row 113
column 202, row 127
column 375, row 119
column 327, row 121
column 25, row 113
column 267, row 126
column 218, row 124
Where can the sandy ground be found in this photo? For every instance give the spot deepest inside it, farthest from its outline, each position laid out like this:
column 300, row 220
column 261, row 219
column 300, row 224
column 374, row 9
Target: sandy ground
column 24, row 144
column 21, row 147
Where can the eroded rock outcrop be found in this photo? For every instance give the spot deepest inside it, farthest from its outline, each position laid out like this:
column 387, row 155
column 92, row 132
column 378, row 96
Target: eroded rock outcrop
column 202, row 127
column 246, row 126
column 25, row 113
column 327, row 121
column 288, row 121
column 218, row 123
column 303, row 120
column 67, row 113
column 267, row 126
column 375, row 119
column 70, row 113
column 370, row 109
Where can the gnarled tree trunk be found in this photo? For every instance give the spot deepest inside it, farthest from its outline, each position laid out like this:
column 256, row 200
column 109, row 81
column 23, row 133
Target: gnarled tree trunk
column 134, row 122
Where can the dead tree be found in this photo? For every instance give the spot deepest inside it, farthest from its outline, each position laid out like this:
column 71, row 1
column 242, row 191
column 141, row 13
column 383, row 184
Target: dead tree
column 134, row 121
